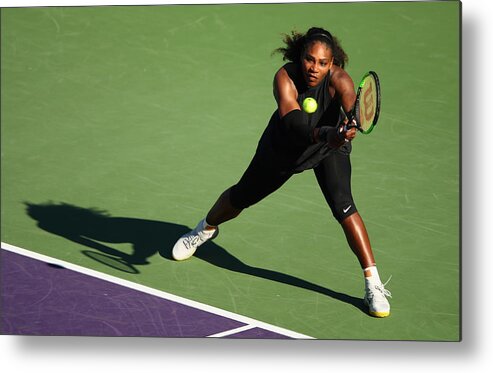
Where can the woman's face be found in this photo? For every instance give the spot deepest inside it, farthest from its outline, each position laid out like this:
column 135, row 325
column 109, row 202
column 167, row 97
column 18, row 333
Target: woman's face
column 316, row 63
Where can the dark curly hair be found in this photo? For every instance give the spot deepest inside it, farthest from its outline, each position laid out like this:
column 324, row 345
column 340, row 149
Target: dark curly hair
column 296, row 45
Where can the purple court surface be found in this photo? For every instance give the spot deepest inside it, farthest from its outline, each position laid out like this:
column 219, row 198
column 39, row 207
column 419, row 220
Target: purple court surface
column 39, row 298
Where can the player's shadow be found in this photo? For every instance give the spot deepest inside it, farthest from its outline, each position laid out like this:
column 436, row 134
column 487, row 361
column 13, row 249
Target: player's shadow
column 95, row 229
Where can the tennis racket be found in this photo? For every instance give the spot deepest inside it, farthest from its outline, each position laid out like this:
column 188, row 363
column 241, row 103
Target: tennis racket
column 367, row 106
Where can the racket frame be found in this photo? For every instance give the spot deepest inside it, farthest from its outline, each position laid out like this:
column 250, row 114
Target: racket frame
column 355, row 110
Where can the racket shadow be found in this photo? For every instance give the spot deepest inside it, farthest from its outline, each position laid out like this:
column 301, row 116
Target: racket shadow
column 96, row 229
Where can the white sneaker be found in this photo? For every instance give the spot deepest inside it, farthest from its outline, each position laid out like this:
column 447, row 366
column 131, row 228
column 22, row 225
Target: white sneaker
column 375, row 299
column 187, row 244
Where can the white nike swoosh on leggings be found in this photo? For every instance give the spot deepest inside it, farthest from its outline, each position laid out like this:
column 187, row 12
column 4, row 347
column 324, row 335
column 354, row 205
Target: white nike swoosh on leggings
column 346, row 209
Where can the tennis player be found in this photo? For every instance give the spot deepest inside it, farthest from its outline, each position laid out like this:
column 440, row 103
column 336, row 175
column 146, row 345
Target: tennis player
column 295, row 141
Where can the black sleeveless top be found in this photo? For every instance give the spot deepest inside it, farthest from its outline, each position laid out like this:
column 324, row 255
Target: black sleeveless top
column 274, row 144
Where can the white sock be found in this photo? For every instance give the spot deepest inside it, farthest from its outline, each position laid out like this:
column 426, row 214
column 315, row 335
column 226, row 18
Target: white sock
column 371, row 276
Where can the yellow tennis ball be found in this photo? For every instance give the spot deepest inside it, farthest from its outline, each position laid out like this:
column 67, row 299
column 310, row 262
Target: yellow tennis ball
column 310, row 105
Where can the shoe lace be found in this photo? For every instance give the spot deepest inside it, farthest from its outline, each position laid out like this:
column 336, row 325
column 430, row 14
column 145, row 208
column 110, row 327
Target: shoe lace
column 382, row 289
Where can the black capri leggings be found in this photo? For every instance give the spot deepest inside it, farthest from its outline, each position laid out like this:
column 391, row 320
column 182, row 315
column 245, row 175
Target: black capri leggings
column 333, row 174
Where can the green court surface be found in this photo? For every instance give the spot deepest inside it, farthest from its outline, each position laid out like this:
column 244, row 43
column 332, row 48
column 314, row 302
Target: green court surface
column 150, row 112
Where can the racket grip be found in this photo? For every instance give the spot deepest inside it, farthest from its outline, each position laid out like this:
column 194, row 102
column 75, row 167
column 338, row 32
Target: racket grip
column 348, row 126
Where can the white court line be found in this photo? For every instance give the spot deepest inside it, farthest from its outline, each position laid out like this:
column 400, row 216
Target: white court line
column 162, row 294
column 232, row 331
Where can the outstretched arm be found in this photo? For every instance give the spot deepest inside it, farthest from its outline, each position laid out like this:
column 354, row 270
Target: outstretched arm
column 344, row 88
column 292, row 119
column 285, row 93
column 344, row 93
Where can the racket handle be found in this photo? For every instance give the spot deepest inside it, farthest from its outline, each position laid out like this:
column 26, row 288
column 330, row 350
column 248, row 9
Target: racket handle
column 353, row 124
column 351, row 121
